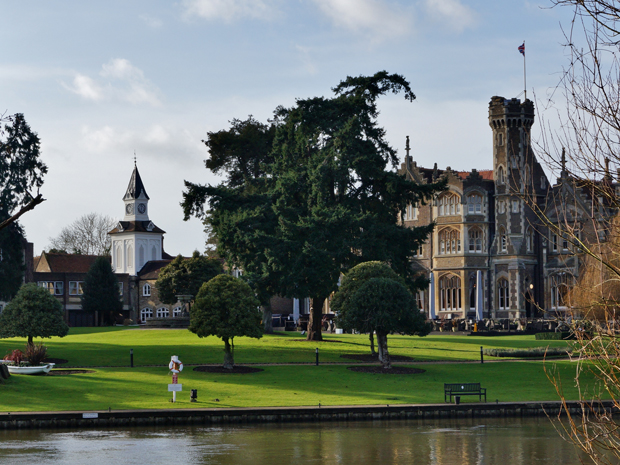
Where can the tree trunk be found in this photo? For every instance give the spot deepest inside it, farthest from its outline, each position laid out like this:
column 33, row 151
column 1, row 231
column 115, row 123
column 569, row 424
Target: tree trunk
column 267, row 321
column 229, row 360
column 384, row 355
column 315, row 323
column 30, row 342
column 371, row 336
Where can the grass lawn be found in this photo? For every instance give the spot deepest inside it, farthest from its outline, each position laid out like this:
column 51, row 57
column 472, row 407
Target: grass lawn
column 138, row 388
column 114, row 385
column 110, row 347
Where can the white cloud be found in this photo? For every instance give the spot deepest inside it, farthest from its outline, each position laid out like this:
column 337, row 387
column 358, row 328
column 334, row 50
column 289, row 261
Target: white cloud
column 377, row 17
column 85, row 87
column 152, row 21
column 230, row 10
column 308, row 64
column 154, row 141
column 120, row 81
column 451, row 13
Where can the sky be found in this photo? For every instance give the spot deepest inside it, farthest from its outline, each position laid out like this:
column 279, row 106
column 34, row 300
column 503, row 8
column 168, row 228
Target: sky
column 100, row 81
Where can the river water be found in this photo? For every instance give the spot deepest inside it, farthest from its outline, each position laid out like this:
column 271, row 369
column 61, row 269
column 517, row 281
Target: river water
column 512, row 441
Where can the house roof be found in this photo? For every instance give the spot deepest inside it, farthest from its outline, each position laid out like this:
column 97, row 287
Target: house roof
column 151, row 269
column 63, row 263
column 136, row 226
column 484, row 174
column 136, row 187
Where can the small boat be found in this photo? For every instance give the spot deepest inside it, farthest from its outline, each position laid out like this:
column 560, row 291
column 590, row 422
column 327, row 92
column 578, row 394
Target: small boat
column 30, row 370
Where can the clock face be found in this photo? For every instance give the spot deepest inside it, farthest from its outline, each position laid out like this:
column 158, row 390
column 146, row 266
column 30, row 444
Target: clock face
column 129, row 208
column 141, row 207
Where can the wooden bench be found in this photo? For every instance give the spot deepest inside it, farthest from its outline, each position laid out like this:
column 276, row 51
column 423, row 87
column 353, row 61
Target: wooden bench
column 464, row 389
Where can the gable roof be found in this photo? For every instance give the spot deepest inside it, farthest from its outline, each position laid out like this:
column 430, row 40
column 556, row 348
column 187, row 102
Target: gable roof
column 64, row 263
column 151, row 269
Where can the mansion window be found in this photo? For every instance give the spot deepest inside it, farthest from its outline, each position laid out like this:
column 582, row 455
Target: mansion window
column 529, row 239
column 503, row 294
column 515, row 206
column 163, row 312
column 419, row 300
column 473, row 287
column 449, row 204
column 418, row 252
column 76, row 288
column 449, row 241
column 474, row 240
column 450, row 293
column 410, row 213
column 146, row 314
column 503, row 240
column 474, row 204
column 54, row 287
column 560, row 287
column 554, row 242
column 146, row 290
column 176, row 311
column 564, row 244
column 500, row 175
column 501, row 206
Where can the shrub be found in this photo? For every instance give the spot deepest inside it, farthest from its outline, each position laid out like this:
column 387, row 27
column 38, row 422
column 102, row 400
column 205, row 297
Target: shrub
column 526, row 353
column 560, row 335
column 36, row 353
column 16, row 357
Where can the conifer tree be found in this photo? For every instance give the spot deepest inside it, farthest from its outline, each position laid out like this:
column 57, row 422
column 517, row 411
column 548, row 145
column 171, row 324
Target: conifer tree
column 101, row 293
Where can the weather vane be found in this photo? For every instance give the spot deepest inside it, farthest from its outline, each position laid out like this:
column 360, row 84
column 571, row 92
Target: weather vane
column 134, row 157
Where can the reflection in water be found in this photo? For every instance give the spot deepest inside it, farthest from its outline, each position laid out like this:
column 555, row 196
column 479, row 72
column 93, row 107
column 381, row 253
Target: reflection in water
column 511, row 441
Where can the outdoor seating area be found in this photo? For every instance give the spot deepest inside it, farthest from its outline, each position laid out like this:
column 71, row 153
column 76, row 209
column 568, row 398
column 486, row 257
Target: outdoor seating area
column 463, row 389
column 500, row 326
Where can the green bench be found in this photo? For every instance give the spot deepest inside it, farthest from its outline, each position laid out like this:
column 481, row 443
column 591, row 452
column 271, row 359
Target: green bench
column 463, row 389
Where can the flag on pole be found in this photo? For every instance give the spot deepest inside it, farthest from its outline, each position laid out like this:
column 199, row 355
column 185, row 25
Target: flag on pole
column 522, row 49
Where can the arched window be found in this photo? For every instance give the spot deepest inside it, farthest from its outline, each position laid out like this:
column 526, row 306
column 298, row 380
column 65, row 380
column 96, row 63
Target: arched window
column 474, row 204
column 529, row 239
column 500, row 175
column 449, row 204
column 146, row 314
column 146, row 290
column 449, row 241
column 163, row 312
column 472, row 291
column 119, row 258
column 474, row 240
column 419, row 300
column 503, row 294
column 176, row 311
column 450, row 293
column 503, row 240
column 561, row 284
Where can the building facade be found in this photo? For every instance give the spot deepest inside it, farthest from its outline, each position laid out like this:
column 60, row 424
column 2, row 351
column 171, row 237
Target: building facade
column 492, row 253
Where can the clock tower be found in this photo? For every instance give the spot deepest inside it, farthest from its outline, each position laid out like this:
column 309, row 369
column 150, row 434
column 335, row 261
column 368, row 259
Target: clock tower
column 135, row 240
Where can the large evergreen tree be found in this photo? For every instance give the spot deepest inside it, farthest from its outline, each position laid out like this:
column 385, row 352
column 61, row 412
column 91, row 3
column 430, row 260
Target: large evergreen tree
column 330, row 199
column 34, row 312
column 101, row 293
column 21, row 171
column 186, row 276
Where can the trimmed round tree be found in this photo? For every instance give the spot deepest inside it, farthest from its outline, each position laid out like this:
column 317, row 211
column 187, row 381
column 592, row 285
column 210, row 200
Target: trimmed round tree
column 33, row 312
column 351, row 282
column 101, row 292
column 226, row 307
column 387, row 306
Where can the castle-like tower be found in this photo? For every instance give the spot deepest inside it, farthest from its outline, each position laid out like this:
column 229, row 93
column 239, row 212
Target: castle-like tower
column 519, row 182
column 135, row 240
